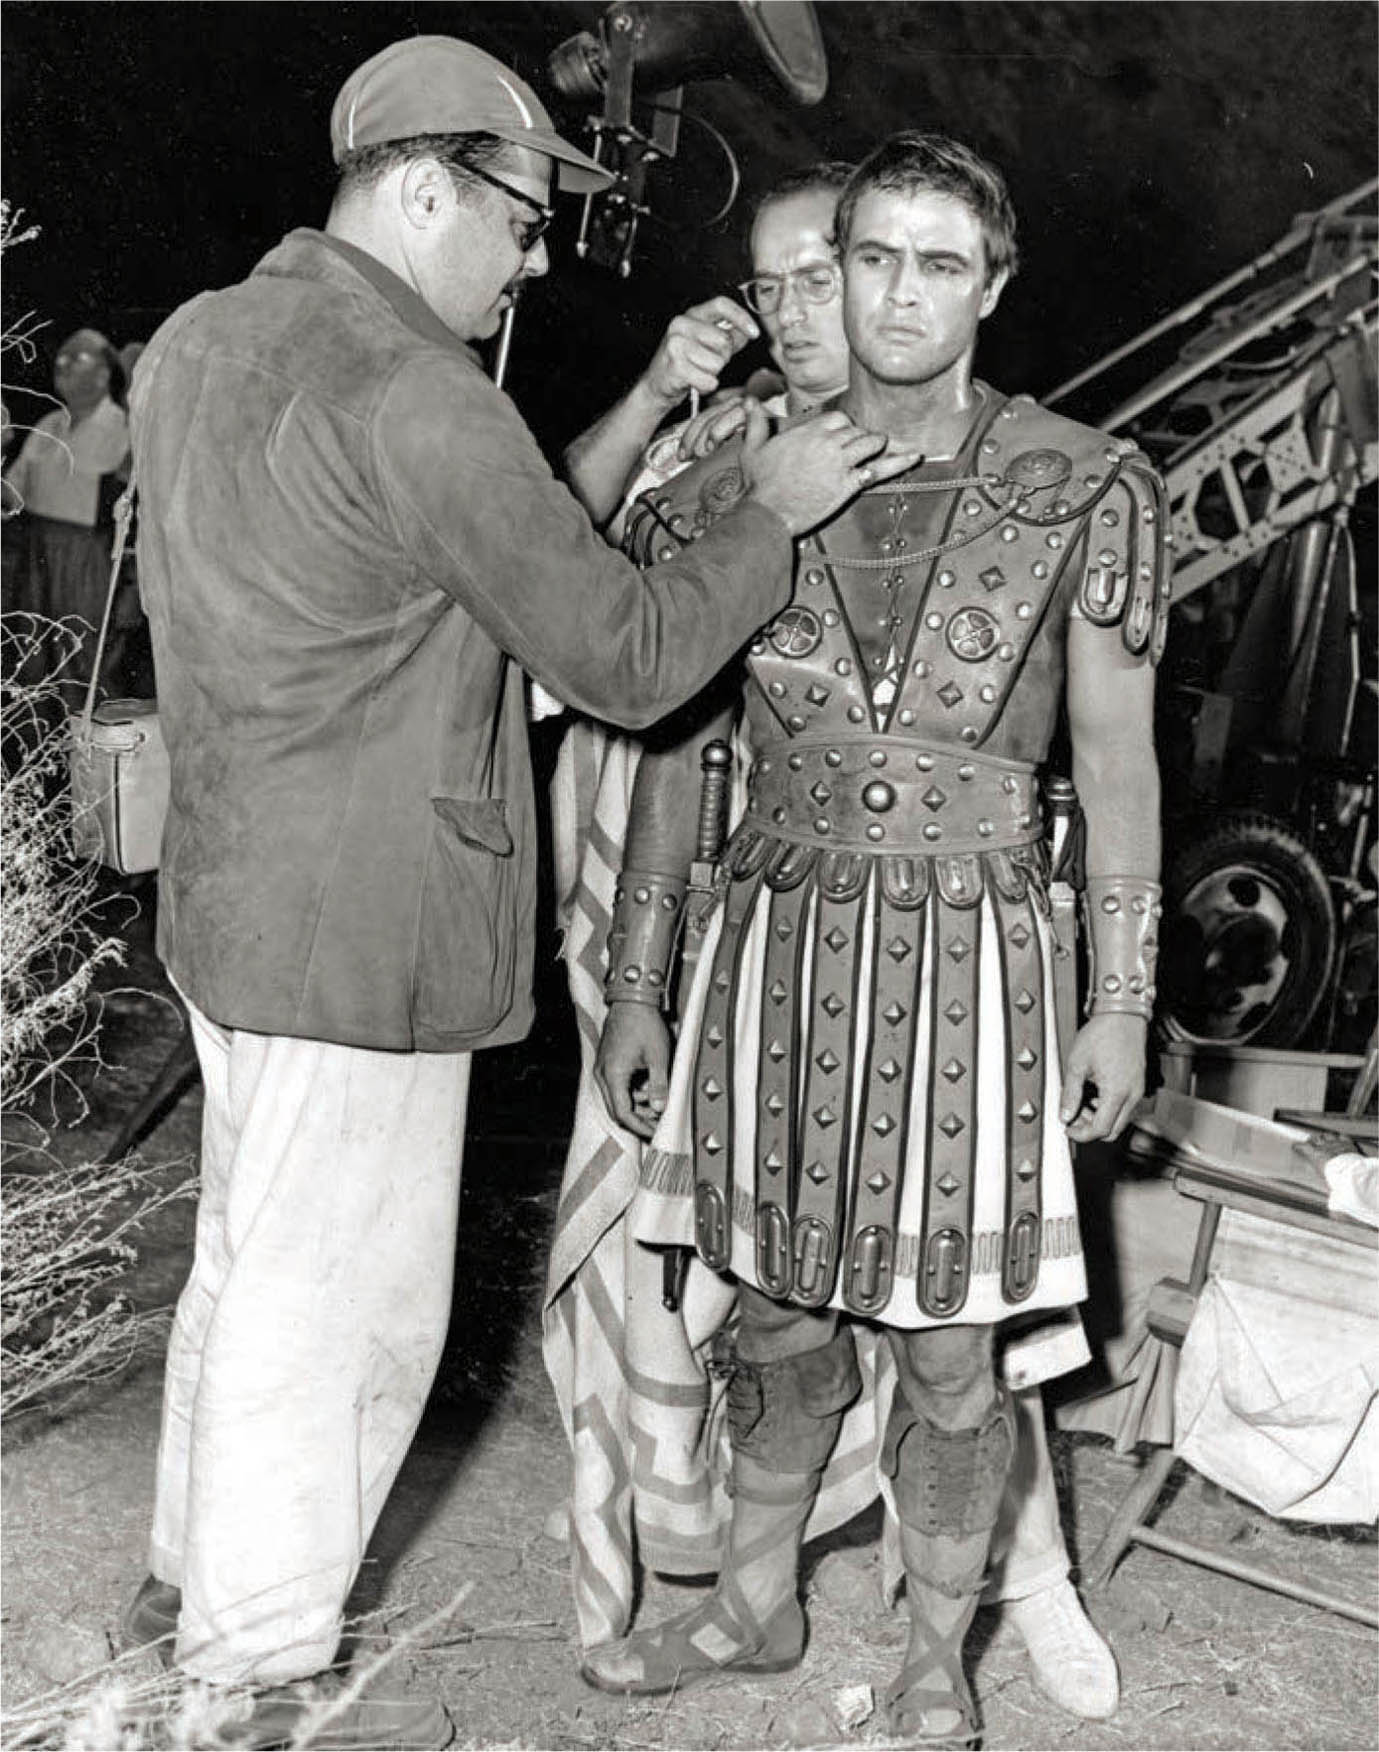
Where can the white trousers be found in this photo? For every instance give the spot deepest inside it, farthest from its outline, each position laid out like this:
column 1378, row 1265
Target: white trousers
column 306, row 1339
column 1028, row 1553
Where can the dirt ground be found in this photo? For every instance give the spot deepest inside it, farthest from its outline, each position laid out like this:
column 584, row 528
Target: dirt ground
column 1205, row 1661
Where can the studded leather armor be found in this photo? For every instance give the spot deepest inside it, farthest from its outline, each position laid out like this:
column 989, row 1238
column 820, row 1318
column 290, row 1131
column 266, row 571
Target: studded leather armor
column 898, row 709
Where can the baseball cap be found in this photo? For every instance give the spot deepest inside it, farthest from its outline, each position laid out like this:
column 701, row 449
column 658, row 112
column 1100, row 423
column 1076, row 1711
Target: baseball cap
column 440, row 85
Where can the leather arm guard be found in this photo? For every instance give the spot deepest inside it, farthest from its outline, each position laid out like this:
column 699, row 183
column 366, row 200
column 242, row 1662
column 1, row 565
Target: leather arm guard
column 1123, row 914
column 641, row 939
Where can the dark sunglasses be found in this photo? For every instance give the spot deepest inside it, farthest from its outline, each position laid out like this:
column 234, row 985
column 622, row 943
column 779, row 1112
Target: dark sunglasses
column 534, row 229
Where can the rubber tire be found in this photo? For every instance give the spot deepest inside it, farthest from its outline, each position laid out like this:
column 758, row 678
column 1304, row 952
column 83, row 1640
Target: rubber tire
column 1246, row 862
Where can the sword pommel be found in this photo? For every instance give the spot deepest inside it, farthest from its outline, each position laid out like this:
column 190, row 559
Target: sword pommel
column 715, row 767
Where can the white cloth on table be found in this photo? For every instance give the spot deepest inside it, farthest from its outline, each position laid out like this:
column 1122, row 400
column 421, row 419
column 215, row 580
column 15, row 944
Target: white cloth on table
column 1279, row 1375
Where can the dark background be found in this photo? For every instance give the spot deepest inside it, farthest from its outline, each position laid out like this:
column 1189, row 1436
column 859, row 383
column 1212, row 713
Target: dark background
column 1151, row 148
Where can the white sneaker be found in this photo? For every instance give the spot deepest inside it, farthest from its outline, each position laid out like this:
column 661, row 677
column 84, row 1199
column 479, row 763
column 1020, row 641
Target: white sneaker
column 1072, row 1662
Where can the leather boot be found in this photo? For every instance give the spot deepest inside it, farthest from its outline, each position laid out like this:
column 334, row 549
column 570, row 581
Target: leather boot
column 784, row 1418
column 948, row 1486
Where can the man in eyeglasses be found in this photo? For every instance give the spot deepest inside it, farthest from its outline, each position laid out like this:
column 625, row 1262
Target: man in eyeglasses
column 348, row 544
column 866, row 1116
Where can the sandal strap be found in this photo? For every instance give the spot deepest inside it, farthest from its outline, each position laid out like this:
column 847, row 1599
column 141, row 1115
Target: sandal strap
column 941, row 1655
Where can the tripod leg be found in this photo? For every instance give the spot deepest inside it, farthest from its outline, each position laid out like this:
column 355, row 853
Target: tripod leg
column 1134, row 1506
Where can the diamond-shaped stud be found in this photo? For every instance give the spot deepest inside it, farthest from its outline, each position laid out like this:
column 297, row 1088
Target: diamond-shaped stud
column 784, row 930
column 958, row 949
column 1019, row 935
column 895, row 1013
column 883, row 1125
column 889, row 1071
column 948, row 1186
column 820, row 792
column 950, row 1125
column 712, row 1088
column 955, row 1070
column 956, row 1013
column 837, row 940
column 778, row 991
column 712, row 1143
column 1027, row 1111
column 713, row 1034
column 934, row 798
column 1027, row 1058
column 1025, row 1001
column 828, row 1061
column 816, row 695
column 775, row 1104
column 993, row 577
column 1026, row 1170
column 773, row 1161
column 825, row 1117
column 897, row 949
column 832, row 1005
column 722, row 980
column 950, row 693
column 775, row 1051
column 878, row 1183
column 817, row 1173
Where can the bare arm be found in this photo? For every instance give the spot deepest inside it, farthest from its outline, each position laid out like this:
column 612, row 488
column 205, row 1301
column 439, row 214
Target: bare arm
column 692, row 356
column 1111, row 719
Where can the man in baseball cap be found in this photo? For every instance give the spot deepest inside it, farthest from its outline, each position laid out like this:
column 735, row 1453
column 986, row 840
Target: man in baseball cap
column 350, row 548
column 439, row 85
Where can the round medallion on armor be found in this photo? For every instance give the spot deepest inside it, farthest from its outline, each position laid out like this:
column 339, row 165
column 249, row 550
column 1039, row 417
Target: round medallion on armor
column 795, row 631
column 1039, row 468
column 972, row 634
column 722, row 490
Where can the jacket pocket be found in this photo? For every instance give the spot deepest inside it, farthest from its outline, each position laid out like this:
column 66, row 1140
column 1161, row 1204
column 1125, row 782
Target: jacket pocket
column 467, row 933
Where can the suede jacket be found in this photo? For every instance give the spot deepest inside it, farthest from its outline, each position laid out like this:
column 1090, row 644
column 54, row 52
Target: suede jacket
column 350, row 547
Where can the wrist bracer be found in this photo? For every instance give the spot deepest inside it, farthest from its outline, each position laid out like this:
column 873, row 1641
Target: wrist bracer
column 1123, row 914
column 642, row 936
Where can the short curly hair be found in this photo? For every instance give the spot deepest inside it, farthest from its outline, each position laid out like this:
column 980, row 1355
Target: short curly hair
column 910, row 161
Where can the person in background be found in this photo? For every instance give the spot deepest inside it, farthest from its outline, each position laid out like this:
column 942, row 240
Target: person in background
column 65, row 480
column 867, row 1117
column 350, row 549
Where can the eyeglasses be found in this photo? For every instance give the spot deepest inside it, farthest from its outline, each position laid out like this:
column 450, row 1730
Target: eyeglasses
column 534, row 229
column 817, row 284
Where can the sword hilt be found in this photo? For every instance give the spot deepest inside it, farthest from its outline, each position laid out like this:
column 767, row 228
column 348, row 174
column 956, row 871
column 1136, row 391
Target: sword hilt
column 715, row 767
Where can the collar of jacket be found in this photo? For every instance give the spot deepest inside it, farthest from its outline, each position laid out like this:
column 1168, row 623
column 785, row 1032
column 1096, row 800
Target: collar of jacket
column 307, row 254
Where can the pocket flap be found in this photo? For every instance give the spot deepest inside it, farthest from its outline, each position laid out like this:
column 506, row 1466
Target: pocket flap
column 480, row 822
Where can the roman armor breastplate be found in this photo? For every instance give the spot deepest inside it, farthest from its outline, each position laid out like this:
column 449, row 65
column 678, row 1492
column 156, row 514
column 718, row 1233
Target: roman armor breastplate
column 881, row 810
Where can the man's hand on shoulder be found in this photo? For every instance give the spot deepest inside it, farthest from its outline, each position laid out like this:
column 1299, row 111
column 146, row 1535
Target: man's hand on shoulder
column 810, row 471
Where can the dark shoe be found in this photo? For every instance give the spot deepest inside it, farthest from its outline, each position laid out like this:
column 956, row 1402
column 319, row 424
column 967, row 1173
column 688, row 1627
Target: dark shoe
column 311, row 1713
column 151, row 1617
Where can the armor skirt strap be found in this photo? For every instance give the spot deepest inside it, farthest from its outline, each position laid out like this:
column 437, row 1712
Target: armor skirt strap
column 945, row 1252
column 713, row 1080
column 1027, row 1042
column 822, row 1168
column 778, row 1083
column 897, row 962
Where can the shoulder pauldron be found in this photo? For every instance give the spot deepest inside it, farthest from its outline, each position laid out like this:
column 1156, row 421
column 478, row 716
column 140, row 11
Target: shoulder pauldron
column 1051, row 471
